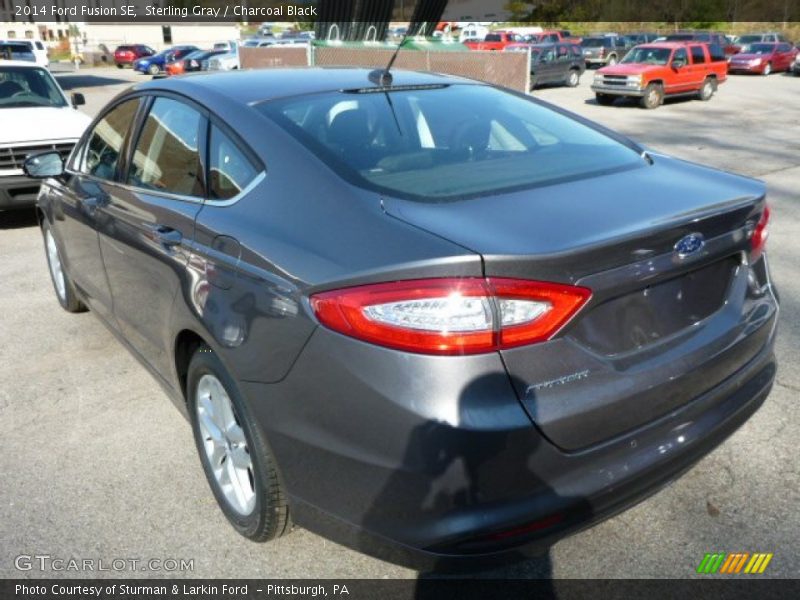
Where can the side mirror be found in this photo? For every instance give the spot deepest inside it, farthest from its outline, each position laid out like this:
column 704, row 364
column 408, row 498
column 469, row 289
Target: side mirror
column 78, row 100
column 678, row 63
column 43, row 165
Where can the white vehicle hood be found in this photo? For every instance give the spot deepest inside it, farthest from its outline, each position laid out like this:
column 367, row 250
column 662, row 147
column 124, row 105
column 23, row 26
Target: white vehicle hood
column 28, row 125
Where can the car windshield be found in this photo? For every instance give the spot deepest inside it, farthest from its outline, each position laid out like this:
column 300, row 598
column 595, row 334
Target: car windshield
column 446, row 142
column 596, row 42
column 23, row 86
column 647, row 56
column 760, row 48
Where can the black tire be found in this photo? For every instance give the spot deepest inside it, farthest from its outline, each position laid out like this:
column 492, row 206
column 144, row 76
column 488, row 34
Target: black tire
column 707, row 89
column 119, row 66
column 68, row 298
column 653, row 96
column 604, row 99
column 269, row 517
column 153, row 70
column 573, row 78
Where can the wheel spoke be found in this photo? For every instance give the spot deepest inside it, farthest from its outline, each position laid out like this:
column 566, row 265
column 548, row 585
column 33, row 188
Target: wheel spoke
column 236, row 435
column 240, row 458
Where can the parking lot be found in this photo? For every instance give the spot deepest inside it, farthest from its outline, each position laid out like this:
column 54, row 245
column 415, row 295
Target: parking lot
column 97, row 464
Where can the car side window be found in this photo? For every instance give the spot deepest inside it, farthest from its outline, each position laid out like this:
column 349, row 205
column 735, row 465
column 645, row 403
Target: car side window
column 680, row 55
column 105, row 142
column 563, row 53
column 167, row 156
column 698, row 55
column 229, row 169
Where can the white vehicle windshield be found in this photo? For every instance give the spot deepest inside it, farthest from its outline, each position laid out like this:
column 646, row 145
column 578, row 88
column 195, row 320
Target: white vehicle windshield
column 24, row 86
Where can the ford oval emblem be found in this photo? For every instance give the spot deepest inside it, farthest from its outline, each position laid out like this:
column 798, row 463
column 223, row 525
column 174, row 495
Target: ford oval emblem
column 689, row 244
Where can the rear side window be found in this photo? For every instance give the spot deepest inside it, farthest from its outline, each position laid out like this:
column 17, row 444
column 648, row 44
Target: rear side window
column 698, row 55
column 167, row 158
column 105, row 142
column 716, row 52
column 229, row 169
column 39, row 46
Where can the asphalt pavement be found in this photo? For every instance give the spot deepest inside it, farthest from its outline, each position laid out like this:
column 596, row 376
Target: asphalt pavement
column 96, row 464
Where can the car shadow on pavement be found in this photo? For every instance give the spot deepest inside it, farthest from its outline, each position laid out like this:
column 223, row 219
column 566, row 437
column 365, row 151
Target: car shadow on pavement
column 17, row 219
column 70, row 81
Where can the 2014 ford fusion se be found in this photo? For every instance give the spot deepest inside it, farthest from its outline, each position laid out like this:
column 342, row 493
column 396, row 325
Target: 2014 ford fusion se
column 428, row 318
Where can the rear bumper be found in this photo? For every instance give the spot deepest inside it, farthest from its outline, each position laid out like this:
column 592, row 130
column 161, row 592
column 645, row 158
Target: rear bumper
column 18, row 191
column 378, row 456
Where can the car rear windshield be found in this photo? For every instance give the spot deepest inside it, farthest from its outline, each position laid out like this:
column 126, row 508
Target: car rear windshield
column 447, row 142
column 596, row 42
column 16, row 51
column 749, row 39
column 26, row 87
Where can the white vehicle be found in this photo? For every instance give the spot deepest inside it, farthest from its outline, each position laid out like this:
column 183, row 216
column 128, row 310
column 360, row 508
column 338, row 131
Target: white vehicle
column 229, row 45
column 35, row 47
column 36, row 117
column 224, row 62
column 473, row 33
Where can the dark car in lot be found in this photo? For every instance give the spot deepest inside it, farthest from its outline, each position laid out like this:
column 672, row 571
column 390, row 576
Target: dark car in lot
column 126, row 55
column 705, row 37
column 763, row 58
column 155, row 64
column 553, row 63
column 603, row 49
column 189, row 63
column 428, row 318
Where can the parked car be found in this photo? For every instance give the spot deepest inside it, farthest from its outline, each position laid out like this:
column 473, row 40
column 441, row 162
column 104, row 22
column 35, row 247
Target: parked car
column 34, row 47
column 714, row 39
column 547, row 37
column 553, row 63
column 17, row 51
column 763, row 58
column 35, row 116
column 228, row 61
column 194, row 61
column 754, row 38
column 153, row 65
column 125, row 56
column 634, row 39
column 459, row 323
column 497, row 40
column 796, row 65
column 654, row 71
column 603, row 49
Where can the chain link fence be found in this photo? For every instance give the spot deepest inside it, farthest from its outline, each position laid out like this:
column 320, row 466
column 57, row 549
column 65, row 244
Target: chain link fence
column 507, row 69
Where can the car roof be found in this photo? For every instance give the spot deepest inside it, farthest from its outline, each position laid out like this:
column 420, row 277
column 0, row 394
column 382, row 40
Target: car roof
column 670, row 45
column 250, row 86
column 19, row 63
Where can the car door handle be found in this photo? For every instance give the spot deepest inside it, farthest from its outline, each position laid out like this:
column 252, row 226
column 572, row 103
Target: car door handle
column 167, row 235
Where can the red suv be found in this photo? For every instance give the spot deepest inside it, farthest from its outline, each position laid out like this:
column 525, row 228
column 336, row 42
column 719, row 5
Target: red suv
column 125, row 55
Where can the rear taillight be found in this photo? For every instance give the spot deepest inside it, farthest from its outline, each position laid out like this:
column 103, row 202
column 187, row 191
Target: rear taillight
column 760, row 234
column 451, row 316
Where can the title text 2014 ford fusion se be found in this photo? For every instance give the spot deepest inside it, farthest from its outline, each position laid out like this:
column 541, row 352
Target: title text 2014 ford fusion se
column 423, row 316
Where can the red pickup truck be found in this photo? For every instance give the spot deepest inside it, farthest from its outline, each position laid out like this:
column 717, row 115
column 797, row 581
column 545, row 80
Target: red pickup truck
column 497, row 40
column 654, row 71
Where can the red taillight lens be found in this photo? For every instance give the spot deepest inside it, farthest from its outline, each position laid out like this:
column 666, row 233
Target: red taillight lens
column 450, row 316
column 759, row 240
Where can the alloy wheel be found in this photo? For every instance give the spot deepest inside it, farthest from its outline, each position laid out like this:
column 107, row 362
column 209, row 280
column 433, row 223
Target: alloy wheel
column 54, row 262
column 225, row 445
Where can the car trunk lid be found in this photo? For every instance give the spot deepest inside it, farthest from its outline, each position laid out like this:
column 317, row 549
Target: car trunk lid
column 632, row 354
